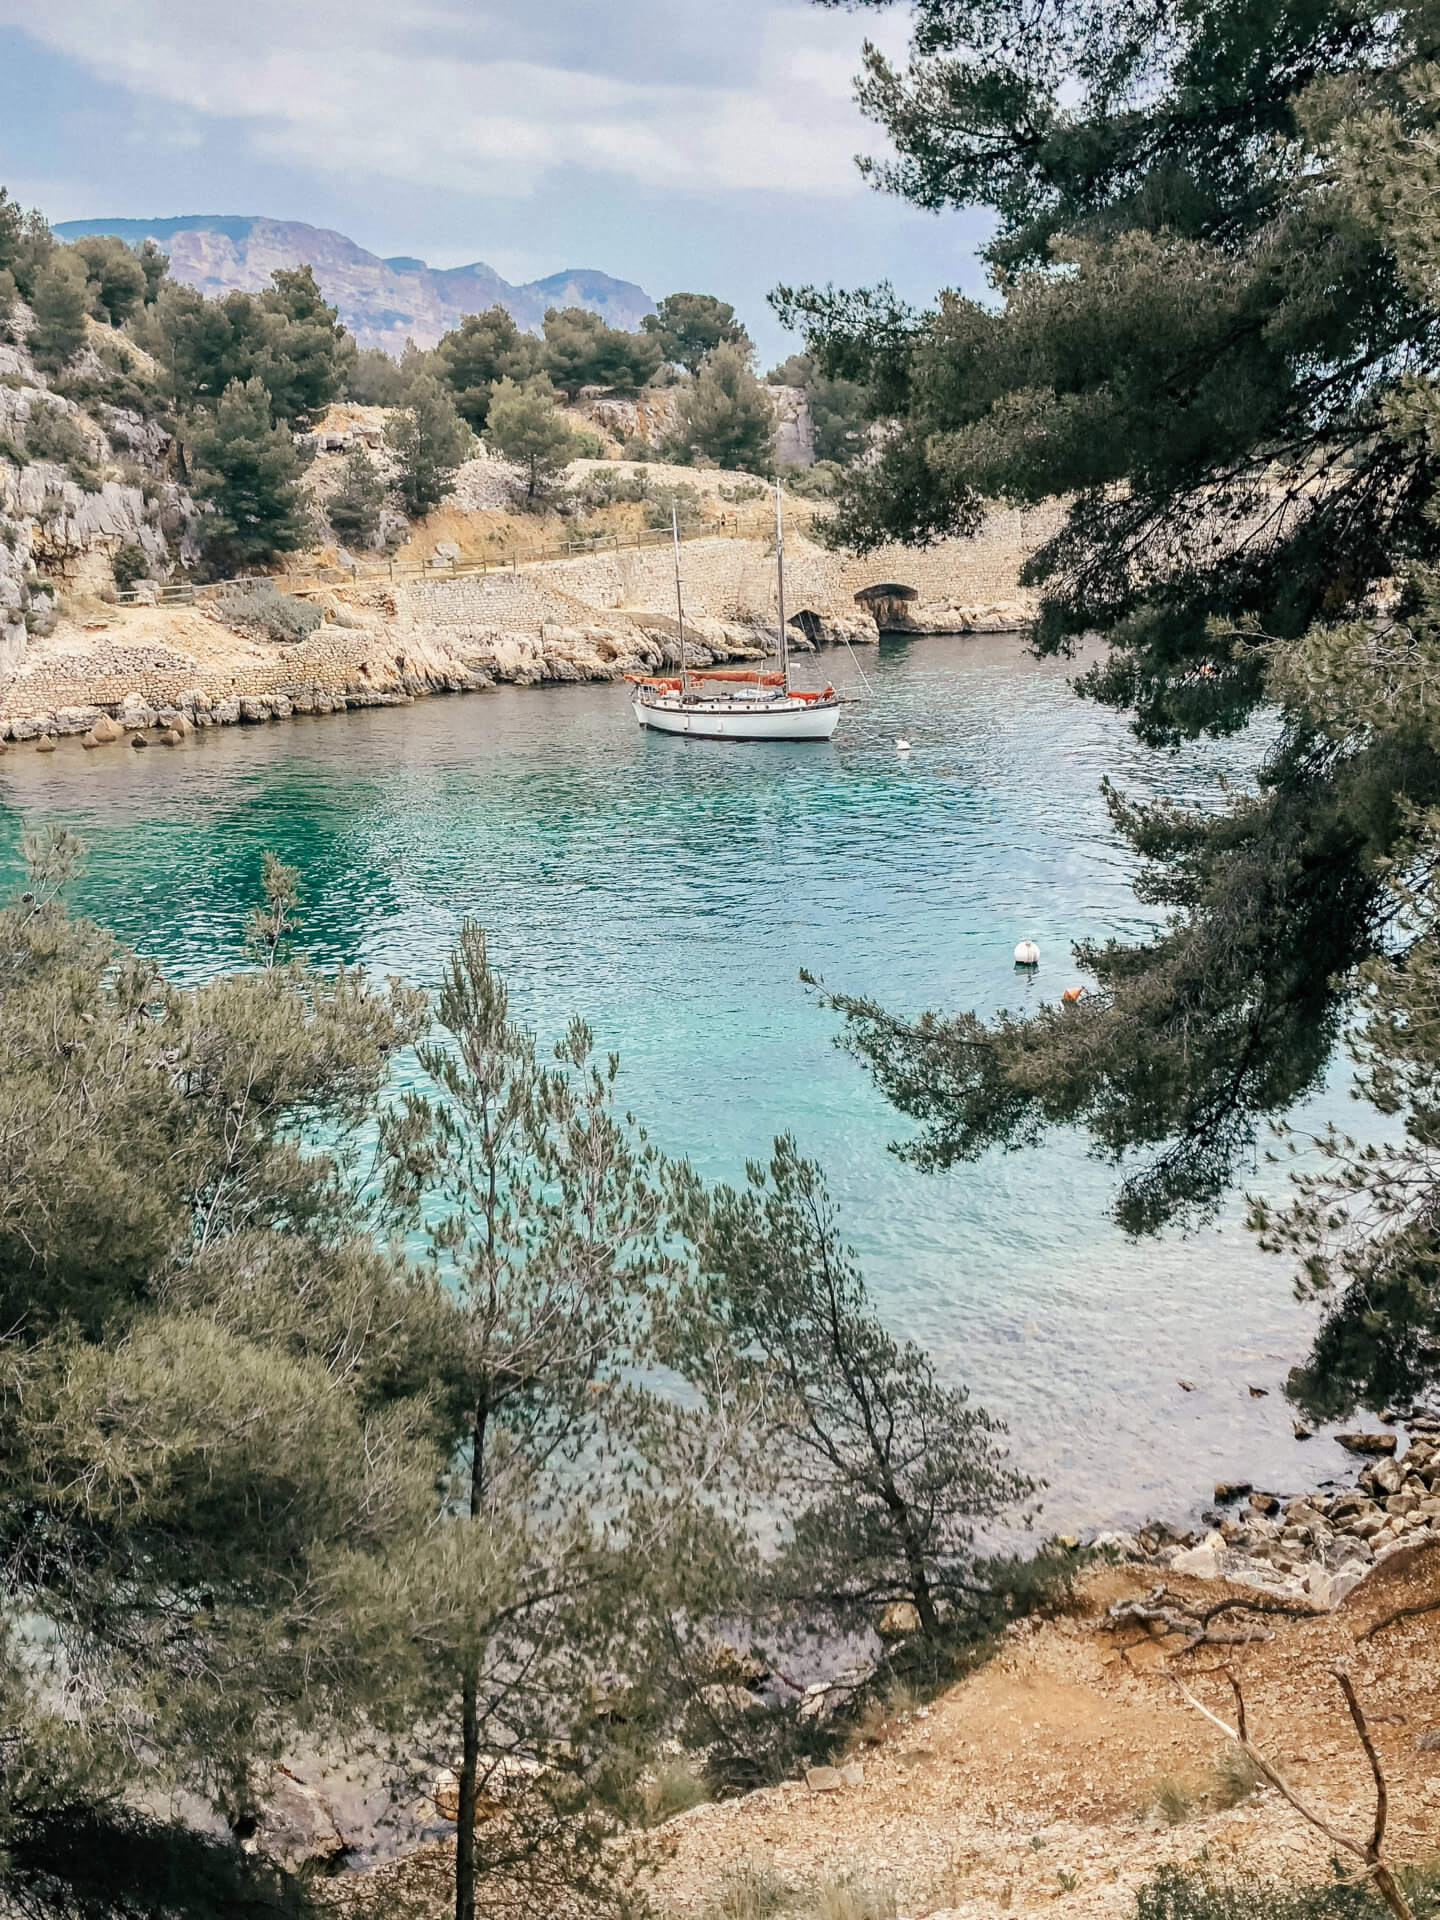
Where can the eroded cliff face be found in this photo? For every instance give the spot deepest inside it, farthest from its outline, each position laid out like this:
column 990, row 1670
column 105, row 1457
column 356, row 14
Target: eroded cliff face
column 649, row 418
column 78, row 481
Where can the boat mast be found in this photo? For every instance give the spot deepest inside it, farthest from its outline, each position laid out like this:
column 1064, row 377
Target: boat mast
column 780, row 587
column 679, row 597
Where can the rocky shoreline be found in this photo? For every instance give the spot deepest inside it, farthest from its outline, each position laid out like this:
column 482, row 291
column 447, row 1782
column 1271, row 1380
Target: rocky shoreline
column 113, row 691
column 1314, row 1548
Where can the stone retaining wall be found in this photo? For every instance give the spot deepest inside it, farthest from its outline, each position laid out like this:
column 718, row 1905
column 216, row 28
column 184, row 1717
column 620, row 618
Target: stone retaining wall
column 332, row 669
column 591, row 617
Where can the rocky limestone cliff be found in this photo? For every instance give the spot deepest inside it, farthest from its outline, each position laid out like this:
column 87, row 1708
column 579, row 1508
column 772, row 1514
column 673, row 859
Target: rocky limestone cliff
column 384, row 303
column 649, row 418
column 63, row 521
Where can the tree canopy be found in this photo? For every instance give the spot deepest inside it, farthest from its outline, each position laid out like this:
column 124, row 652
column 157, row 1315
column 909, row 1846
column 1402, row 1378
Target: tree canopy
column 1213, row 336
column 690, row 325
column 430, row 443
column 725, row 414
column 527, row 427
column 483, row 349
column 582, row 351
column 248, row 472
column 287, row 338
column 306, row 1442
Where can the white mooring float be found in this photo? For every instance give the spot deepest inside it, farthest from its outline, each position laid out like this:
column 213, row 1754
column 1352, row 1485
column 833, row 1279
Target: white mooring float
column 1027, row 954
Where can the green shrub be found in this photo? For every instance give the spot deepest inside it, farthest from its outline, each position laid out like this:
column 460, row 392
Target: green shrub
column 129, row 565
column 1178, row 1894
column 604, row 487
column 1236, row 1778
column 846, row 1898
column 750, row 1890
column 676, row 1788
column 1173, row 1800
column 282, row 616
column 684, row 501
column 375, row 380
column 819, row 482
column 121, row 380
column 9, row 451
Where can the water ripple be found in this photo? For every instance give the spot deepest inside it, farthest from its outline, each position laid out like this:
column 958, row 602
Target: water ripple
column 671, row 890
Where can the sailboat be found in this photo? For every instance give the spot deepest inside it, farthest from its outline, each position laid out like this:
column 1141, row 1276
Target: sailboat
column 736, row 705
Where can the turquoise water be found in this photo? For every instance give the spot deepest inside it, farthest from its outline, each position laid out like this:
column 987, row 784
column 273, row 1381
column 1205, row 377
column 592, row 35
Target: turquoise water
column 670, row 891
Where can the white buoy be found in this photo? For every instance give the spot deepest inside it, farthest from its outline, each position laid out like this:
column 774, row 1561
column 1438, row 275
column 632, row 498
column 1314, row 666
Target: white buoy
column 902, row 746
column 1027, row 954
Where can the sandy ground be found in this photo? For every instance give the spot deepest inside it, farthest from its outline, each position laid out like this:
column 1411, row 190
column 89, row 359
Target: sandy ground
column 1069, row 1768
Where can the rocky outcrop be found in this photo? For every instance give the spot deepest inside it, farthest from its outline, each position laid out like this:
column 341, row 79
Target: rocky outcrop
column 794, row 427
column 648, row 419
column 295, row 1827
column 61, row 524
column 139, row 689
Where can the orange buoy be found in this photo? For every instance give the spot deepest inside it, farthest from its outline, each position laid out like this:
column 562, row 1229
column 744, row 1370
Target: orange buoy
column 1071, row 995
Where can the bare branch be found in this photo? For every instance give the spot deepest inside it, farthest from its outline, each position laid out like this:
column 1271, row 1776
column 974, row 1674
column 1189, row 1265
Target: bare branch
column 1382, row 1801
column 1367, row 1850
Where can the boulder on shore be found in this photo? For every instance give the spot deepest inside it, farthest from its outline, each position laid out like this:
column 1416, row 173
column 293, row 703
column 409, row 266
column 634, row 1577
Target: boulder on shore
column 296, row 1827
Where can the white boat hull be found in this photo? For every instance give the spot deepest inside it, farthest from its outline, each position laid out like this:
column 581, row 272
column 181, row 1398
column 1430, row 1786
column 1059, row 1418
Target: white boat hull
column 779, row 719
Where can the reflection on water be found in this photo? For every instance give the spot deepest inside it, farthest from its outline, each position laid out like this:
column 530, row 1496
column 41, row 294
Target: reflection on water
column 670, row 891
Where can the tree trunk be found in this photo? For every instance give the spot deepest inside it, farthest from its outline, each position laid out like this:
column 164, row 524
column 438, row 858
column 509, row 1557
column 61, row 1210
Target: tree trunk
column 469, row 1707
column 1389, row 1891
column 469, row 1779
column 920, row 1593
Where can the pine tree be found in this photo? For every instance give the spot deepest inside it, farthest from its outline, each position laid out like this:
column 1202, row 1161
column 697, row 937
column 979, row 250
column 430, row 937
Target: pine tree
column 287, row 338
column 546, row 1215
column 582, row 351
column 308, row 353
column 430, row 442
column 60, row 300
column 483, row 349
column 526, row 426
column 354, row 507
column 117, row 280
column 221, row 1409
column 247, row 470
column 690, row 325
column 726, row 415
column 1214, row 342
column 882, row 1472
column 26, row 244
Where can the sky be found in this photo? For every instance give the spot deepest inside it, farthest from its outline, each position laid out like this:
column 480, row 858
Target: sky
column 677, row 143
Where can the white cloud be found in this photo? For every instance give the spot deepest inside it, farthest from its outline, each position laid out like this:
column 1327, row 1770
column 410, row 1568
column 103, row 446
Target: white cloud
column 490, row 101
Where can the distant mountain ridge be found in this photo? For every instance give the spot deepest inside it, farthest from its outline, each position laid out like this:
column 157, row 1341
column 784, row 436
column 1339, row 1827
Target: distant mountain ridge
column 384, row 303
